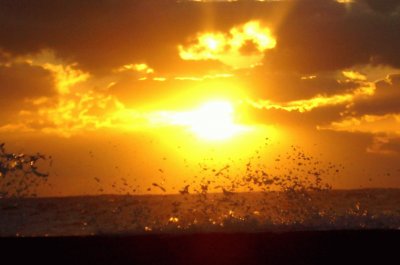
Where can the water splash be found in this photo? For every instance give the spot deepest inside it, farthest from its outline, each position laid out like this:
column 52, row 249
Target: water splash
column 19, row 174
column 289, row 191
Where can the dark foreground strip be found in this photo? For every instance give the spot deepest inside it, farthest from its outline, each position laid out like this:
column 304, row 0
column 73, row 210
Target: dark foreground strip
column 295, row 248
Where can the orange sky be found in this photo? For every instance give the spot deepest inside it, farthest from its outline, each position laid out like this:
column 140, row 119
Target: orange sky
column 147, row 90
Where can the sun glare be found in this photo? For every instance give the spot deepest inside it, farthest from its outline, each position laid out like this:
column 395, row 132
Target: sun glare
column 214, row 120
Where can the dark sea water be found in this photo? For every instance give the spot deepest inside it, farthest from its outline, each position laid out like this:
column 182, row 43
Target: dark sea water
column 186, row 213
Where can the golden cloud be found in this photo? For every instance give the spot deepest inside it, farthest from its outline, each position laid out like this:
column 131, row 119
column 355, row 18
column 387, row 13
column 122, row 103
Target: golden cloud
column 345, row 1
column 139, row 67
column 384, row 128
column 66, row 75
column 74, row 108
column 77, row 107
column 354, row 75
column 305, row 105
column 388, row 124
column 77, row 113
column 242, row 47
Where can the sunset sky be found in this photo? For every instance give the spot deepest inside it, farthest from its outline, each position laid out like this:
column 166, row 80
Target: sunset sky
column 147, row 90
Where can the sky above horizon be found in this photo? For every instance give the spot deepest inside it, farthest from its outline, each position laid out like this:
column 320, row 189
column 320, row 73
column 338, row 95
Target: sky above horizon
column 149, row 91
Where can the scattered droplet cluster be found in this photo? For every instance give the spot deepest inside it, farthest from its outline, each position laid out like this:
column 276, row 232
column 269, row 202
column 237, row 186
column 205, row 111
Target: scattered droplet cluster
column 19, row 174
column 286, row 192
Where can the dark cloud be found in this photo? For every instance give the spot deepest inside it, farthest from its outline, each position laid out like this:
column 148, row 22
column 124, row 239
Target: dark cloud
column 4, row 58
column 284, row 87
column 20, row 82
column 101, row 35
column 385, row 100
column 284, row 118
column 385, row 144
column 392, row 145
column 328, row 36
column 313, row 37
column 386, row 6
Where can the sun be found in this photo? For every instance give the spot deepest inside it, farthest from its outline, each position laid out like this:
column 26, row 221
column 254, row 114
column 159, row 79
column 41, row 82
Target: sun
column 213, row 120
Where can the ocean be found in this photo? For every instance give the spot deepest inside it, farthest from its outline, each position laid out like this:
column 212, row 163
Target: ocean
column 201, row 213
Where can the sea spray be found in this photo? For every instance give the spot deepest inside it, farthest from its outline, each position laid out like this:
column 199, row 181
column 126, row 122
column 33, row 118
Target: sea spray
column 288, row 192
column 19, row 174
